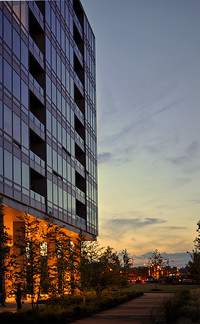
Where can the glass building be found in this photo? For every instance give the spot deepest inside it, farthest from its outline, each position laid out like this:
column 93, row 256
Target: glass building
column 48, row 146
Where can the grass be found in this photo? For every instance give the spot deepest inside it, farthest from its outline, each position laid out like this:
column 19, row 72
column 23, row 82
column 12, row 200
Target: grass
column 149, row 288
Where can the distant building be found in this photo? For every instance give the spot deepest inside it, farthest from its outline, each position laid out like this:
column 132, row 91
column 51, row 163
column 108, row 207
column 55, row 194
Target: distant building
column 48, row 146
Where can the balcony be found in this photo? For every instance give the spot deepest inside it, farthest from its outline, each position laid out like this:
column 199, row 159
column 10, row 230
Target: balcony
column 78, row 25
column 37, row 159
column 78, row 83
column 79, row 114
column 36, row 52
column 36, row 88
column 78, row 53
column 36, row 122
column 79, row 168
column 79, row 141
column 80, row 195
column 37, row 13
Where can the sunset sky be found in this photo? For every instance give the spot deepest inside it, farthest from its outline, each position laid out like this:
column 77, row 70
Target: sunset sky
column 148, row 102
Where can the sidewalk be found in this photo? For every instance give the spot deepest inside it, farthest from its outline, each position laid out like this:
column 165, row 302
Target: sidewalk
column 136, row 311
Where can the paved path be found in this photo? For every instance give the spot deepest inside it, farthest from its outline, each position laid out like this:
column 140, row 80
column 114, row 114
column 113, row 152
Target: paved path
column 136, row 311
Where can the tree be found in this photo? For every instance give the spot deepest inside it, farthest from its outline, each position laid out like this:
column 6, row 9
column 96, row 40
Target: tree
column 126, row 267
column 156, row 261
column 193, row 265
column 4, row 253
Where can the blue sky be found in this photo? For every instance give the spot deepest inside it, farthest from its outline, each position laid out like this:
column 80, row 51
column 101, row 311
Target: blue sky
column 148, row 101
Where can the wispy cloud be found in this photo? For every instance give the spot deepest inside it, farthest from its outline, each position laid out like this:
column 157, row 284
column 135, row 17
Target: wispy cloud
column 105, row 157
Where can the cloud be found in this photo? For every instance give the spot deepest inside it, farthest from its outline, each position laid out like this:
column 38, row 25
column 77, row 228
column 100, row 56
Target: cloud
column 105, row 157
column 190, row 154
column 174, row 259
column 122, row 226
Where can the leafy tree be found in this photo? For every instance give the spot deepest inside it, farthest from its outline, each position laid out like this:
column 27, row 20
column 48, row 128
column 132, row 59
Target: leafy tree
column 4, row 253
column 156, row 261
column 126, row 267
column 193, row 265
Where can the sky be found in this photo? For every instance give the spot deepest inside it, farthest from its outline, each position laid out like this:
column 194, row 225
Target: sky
column 148, row 116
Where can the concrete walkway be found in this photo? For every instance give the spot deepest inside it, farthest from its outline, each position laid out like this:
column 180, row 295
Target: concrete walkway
column 136, row 311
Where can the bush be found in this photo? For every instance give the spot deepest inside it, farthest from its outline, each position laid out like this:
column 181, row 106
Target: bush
column 182, row 308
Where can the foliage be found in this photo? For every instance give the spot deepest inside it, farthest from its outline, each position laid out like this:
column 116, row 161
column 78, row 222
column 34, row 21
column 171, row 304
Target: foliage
column 182, row 308
column 4, row 252
column 156, row 259
column 71, row 309
column 193, row 265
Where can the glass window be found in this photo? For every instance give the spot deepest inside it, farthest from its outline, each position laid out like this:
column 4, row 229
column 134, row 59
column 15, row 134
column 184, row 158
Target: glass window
column 55, row 161
column 64, row 169
column 65, row 200
column 63, row 73
column 62, row 38
column 24, row 14
column 55, row 194
column 60, row 197
column 71, row 87
column 17, row 171
column 54, row 93
column 16, row 85
column 49, row 190
column 25, row 135
column 58, row 66
column 16, row 44
column 58, row 100
column 49, row 155
column 53, row 57
column 58, row 30
column 73, row 206
column 59, row 133
column 71, row 23
column 25, row 175
column 1, row 71
column 53, row 22
column 1, row 115
column 24, row 94
column 54, row 127
column 67, row 47
column 48, row 114
column 1, row 161
column 24, row 54
column 59, row 164
column 7, row 32
column 48, row 86
column 48, row 50
column 16, row 128
column 66, row 15
column 48, row 12
column 7, row 76
column 7, row 120
column 16, row 8
column 68, row 172
column 73, row 176
column 69, row 203
column 8, row 165
column 64, row 137
column 0, row 23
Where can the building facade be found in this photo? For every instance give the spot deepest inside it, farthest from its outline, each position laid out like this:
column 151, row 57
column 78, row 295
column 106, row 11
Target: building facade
column 48, row 146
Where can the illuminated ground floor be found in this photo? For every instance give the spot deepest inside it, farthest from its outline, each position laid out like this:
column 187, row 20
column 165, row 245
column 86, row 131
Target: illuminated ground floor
column 43, row 257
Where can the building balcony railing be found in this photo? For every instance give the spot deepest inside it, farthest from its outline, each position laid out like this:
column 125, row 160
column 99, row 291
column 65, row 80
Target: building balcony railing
column 78, row 83
column 78, row 113
column 78, row 25
column 78, row 53
column 80, row 195
column 34, row 195
column 37, row 13
column 36, row 85
column 81, row 222
column 79, row 139
column 37, row 159
column 80, row 168
column 36, row 121
column 36, row 48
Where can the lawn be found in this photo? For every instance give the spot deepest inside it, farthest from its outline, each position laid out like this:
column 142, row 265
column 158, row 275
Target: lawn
column 162, row 288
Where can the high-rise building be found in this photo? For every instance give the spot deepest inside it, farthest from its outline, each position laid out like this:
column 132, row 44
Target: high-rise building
column 48, row 147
